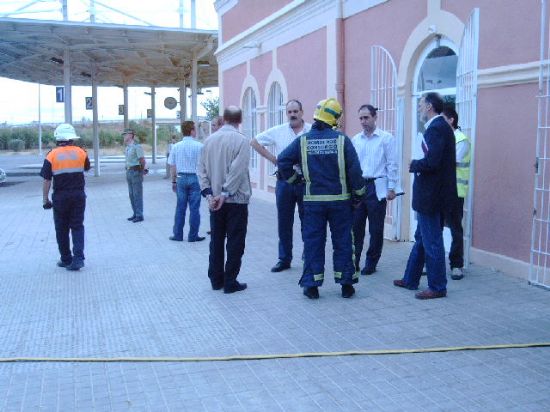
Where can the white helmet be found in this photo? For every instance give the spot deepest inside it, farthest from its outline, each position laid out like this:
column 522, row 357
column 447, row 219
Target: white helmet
column 65, row 132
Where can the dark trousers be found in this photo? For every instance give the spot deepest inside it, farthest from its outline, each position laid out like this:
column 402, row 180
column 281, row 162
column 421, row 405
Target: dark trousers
column 453, row 220
column 339, row 217
column 375, row 211
column 230, row 221
column 287, row 197
column 68, row 217
column 428, row 248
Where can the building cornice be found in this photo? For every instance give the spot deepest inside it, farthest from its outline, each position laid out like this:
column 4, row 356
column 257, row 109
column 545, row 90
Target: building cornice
column 269, row 21
column 510, row 75
column 297, row 19
column 223, row 6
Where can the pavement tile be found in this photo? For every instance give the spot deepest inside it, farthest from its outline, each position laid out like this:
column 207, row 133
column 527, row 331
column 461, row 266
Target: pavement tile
column 141, row 295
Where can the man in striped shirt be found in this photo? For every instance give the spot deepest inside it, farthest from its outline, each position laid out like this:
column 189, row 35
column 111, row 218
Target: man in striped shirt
column 376, row 151
column 183, row 161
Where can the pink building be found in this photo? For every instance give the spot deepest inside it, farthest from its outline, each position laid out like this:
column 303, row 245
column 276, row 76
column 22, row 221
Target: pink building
column 482, row 54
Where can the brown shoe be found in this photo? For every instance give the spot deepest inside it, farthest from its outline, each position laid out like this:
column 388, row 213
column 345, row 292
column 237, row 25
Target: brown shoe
column 430, row 294
column 401, row 283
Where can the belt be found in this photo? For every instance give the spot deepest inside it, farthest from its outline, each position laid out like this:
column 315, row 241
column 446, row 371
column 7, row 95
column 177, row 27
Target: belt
column 136, row 168
column 369, row 179
column 186, row 174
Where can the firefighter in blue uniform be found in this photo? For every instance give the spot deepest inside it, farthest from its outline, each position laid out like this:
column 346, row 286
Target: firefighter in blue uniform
column 65, row 165
column 333, row 181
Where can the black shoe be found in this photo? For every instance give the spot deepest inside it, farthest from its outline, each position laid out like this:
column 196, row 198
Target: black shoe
column 198, row 239
column 75, row 265
column 312, row 292
column 175, row 239
column 280, row 266
column 368, row 270
column 236, row 287
column 63, row 264
column 457, row 273
column 131, row 218
column 216, row 286
column 137, row 219
column 348, row 291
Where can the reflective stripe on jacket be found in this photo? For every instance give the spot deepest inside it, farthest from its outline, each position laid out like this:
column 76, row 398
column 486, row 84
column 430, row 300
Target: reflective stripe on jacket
column 67, row 159
column 329, row 164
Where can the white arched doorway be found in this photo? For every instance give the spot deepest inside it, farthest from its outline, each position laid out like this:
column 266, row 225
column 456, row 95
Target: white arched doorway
column 435, row 72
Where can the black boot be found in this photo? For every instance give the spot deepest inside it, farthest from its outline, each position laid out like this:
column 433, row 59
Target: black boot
column 348, row 291
column 312, row 292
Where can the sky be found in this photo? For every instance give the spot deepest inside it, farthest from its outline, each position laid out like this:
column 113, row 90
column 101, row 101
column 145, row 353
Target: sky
column 19, row 100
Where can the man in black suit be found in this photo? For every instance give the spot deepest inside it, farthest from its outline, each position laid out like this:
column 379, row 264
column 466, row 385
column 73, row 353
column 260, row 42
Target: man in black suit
column 434, row 191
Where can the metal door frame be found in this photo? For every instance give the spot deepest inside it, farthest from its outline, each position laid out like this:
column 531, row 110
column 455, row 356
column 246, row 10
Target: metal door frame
column 539, row 267
column 466, row 105
column 432, row 45
column 389, row 118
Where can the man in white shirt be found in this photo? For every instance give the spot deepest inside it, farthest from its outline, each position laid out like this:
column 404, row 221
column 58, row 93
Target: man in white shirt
column 377, row 155
column 287, row 195
column 183, row 160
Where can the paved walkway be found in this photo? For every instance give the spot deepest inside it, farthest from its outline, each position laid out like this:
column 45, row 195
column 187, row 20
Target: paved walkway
column 141, row 295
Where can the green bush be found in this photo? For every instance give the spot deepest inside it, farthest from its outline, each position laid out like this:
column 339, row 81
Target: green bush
column 16, row 145
column 5, row 137
column 85, row 141
column 47, row 138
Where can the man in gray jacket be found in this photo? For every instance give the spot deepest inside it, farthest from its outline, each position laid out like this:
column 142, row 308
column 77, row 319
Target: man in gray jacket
column 225, row 183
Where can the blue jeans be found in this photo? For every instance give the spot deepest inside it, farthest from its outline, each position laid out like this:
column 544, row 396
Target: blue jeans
column 287, row 197
column 375, row 211
column 135, row 191
column 188, row 192
column 428, row 246
column 339, row 217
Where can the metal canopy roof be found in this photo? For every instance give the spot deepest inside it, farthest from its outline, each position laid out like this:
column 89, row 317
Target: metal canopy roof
column 33, row 50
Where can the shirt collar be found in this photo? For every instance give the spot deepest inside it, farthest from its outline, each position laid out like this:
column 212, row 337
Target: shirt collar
column 227, row 127
column 429, row 122
column 300, row 132
column 375, row 133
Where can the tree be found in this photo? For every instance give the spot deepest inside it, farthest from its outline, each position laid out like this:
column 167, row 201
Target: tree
column 212, row 107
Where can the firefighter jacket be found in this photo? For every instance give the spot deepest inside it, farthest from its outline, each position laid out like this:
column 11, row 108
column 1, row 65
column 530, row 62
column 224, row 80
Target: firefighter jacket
column 66, row 165
column 329, row 163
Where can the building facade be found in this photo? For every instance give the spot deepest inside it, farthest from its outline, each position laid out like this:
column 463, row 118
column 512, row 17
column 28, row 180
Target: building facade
column 481, row 54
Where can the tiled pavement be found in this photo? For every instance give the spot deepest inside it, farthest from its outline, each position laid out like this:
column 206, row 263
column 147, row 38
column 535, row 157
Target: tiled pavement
column 141, row 295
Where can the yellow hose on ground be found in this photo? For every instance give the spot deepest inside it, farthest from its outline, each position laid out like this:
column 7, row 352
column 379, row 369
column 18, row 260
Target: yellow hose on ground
column 280, row 355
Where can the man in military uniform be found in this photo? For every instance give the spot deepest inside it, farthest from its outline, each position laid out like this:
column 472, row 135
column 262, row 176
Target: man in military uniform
column 65, row 165
column 135, row 170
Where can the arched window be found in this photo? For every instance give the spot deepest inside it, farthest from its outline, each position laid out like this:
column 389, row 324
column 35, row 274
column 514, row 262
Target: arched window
column 275, row 106
column 438, row 71
column 249, row 122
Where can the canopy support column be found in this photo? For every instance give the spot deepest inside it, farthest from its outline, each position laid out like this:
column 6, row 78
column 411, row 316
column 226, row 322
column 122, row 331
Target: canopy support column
column 97, row 170
column 154, row 125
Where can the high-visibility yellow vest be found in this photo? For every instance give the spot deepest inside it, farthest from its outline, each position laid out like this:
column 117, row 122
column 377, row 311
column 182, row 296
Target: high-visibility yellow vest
column 463, row 167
